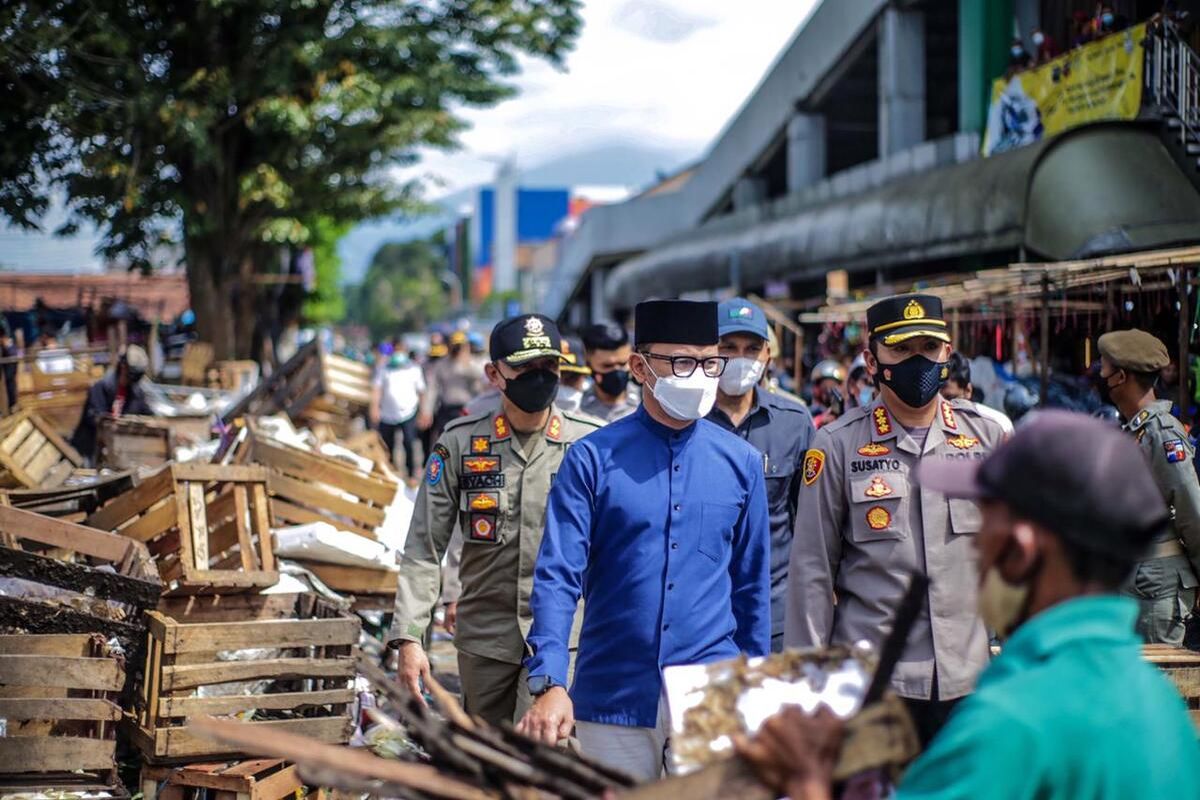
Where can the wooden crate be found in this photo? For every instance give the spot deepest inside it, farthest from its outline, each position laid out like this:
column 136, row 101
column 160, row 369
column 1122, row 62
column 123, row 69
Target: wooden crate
column 207, row 526
column 33, row 454
column 59, row 554
column 59, row 698
column 309, row 487
column 311, row 676
column 1182, row 667
column 258, row 779
column 313, row 387
column 133, row 441
column 370, row 588
column 234, row 376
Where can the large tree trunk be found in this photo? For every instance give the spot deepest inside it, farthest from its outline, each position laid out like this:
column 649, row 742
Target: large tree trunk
column 211, row 288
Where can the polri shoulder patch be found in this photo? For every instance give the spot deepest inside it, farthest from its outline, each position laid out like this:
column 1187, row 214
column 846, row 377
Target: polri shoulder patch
column 814, row 464
column 441, row 450
column 434, row 470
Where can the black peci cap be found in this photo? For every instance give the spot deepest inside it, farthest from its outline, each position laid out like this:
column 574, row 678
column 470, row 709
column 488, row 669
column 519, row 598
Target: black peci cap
column 521, row 339
column 1080, row 477
column 675, row 322
column 906, row 316
column 605, row 336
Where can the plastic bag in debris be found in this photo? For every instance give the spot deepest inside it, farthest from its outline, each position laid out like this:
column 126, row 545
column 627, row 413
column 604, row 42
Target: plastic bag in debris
column 202, row 452
column 280, row 428
column 335, row 450
column 393, row 531
column 320, row 541
column 244, row 687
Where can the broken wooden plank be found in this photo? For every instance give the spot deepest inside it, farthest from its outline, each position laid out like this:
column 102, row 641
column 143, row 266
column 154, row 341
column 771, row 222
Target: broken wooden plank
column 65, row 672
column 191, row 676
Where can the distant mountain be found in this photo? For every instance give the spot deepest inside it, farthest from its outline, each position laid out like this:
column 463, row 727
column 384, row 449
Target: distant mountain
column 619, row 164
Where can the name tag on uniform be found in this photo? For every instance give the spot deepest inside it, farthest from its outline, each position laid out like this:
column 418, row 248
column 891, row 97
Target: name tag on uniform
column 491, row 480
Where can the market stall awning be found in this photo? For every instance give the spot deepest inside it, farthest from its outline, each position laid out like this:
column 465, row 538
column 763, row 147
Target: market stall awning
column 1104, row 189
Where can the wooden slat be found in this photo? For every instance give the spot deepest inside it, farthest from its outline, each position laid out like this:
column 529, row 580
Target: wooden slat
column 78, row 538
column 292, row 514
column 315, row 495
column 201, row 581
column 241, row 521
column 64, row 447
column 210, row 637
column 41, row 463
column 223, row 608
column 23, row 708
column 182, row 742
column 153, row 523
column 261, row 526
column 189, row 706
column 54, row 754
column 199, row 527
column 149, row 492
column 190, row 676
column 17, row 435
column 283, row 783
column 318, row 468
column 100, row 674
column 76, row 645
column 218, row 472
column 28, row 449
column 354, row 580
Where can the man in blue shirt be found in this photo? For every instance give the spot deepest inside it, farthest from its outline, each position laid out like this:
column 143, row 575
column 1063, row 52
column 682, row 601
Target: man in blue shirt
column 1069, row 709
column 659, row 521
column 779, row 428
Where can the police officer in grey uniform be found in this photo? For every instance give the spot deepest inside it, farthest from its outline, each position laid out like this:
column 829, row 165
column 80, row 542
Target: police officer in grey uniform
column 779, row 428
column 491, row 473
column 863, row 525
column 1165, row 582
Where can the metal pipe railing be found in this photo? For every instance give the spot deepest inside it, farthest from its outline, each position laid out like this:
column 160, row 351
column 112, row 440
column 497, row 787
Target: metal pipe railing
column 1172, row 76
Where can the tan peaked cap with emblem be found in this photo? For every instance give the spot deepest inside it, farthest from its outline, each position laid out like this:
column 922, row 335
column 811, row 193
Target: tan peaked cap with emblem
column 1134, row 350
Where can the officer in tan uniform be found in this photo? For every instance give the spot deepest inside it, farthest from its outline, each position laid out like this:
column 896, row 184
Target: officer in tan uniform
column 491, row 472
column 1165, row 582
column 863, row 525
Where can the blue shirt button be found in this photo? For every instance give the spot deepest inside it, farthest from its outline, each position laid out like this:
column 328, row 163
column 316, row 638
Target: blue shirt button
column 677, row 506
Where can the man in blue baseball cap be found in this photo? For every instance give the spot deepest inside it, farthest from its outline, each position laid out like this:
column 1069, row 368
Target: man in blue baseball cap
column 776, row 426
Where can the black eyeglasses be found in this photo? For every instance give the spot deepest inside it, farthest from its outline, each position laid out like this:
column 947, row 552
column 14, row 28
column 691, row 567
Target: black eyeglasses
column 684, row 366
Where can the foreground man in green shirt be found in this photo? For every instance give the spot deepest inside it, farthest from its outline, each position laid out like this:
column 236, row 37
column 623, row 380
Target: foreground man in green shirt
column 1069, row 709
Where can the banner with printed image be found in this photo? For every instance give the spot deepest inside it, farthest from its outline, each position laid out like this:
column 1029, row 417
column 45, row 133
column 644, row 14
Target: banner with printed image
column 1099, row 81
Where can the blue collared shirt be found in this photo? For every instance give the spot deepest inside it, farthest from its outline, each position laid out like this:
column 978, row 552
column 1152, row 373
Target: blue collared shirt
column 665, row 535
column 781, row 430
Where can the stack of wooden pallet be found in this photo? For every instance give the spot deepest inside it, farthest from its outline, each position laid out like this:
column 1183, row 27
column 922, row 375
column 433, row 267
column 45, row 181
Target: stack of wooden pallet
column 33, row 453
column 314, row 388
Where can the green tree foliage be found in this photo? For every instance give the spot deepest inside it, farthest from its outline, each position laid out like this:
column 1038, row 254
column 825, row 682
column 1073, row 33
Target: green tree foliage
column 403, row 290
column 327, row 303
column 227, row 123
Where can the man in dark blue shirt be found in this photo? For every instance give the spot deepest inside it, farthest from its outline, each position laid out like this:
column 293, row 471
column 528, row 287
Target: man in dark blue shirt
column 659, row 521
column 778, row 428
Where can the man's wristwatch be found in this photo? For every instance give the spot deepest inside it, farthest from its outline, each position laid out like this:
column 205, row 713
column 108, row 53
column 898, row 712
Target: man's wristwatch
column 540, row 684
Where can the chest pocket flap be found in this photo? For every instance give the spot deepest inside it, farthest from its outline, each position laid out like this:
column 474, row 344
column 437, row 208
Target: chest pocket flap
column 879, row 486
column 965, row 516
column 878, row 505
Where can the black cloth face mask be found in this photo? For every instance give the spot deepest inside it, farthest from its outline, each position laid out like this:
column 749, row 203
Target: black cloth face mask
column 613, row 383
column 532, row 391
column 916, row 380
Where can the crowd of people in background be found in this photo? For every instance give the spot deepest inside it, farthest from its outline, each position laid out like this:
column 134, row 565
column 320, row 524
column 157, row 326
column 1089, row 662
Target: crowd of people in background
column 1041, row 48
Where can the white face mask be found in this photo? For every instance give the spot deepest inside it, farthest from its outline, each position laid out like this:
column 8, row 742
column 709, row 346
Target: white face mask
column 1038, row 39
column 685, row 399
column 741, row 375
column 568, row 398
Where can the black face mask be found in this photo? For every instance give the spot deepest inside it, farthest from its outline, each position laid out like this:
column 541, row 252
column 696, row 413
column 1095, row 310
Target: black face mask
column 916, row 380
column 1102, row 388
column 613, row 383
column 532, row 391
